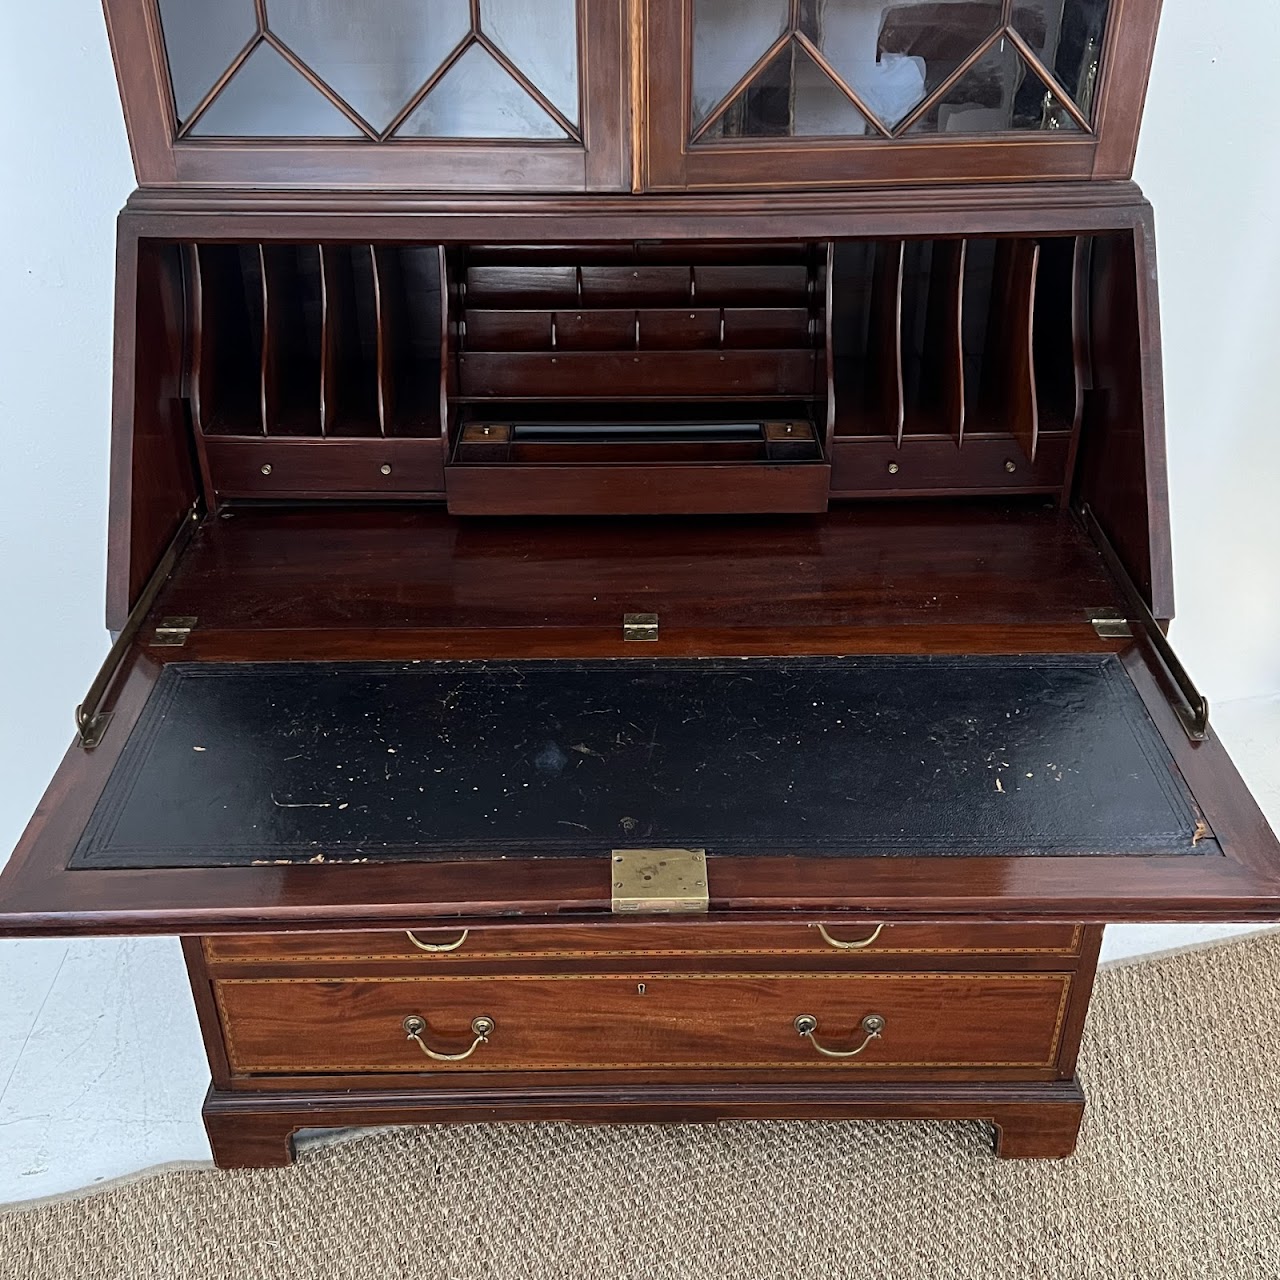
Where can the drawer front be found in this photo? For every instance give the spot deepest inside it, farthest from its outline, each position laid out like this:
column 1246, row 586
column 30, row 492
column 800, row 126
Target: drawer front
column 840, row 942
column 552, row 1022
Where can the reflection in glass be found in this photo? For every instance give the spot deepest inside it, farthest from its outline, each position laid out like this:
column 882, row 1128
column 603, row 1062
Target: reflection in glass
column 890, row 57
column 791, row 97
column 542, row 40
column 729, row 38
column 998, row 93
column 267, row 98
column 894, row 55
column 202, row 40
column 477, row 98
column 375, row 56
column 1067, row 36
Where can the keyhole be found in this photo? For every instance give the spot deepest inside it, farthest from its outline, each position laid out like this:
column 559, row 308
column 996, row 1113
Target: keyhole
column 639, row 988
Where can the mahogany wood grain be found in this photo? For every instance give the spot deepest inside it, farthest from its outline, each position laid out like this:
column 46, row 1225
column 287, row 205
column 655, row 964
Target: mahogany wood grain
column 924, row 467
column 1007, row 394
column 193, row 954
column 940, row 395
column 656, row 941
column 983, row 965
column 1236, row 877
column 603, row 163
column 154, row 471
column 884, row 407
column 1122, row 472
column 644, row 374
column 1081, row 994
column 637, row 488
column 228, row 340
column 354, row 643
column 892, row 567
column 312, row 468
column 351, row 381
column 1000, row 1023
column 1060, row 332
column 293, row 340
column 488, row 218
column 1122, row 91
column 1030, row 1120
column 1081, row 361
column 670, row 162
column 634, row 77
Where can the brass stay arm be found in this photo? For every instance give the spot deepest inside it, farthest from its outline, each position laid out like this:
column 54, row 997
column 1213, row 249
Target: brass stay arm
column 91, row 720
column 1188, row 703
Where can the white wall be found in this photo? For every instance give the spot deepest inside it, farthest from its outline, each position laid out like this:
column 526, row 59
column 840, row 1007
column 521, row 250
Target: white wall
column 1209, row 160
column 64, row 170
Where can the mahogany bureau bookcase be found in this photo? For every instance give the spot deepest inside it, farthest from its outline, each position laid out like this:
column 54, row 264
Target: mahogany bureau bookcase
column 639, row 562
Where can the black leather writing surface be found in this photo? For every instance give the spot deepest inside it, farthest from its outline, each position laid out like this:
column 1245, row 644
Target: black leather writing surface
column 235, row 763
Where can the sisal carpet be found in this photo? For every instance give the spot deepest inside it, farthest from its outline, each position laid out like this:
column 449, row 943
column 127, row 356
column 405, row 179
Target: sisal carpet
column 1178, row 1175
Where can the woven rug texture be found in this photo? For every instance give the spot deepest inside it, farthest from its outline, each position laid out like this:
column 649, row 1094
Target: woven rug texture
column 1177, row 1175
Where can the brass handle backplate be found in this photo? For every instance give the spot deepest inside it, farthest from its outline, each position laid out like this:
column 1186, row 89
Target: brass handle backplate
column 872, row 1026
column 415, row 1027
column 848, row 946
column 437, row 946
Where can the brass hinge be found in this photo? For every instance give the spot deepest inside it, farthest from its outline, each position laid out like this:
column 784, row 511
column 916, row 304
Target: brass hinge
column 1188, row 703
column 91, row 719
column 659, row 881
column 639, row 626
column 1110, row 624
column 173, row 632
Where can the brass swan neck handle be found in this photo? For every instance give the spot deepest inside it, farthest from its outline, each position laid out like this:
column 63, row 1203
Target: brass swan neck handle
column 872, row 1025
column 848, row 946
column 415, row 1027
column 437, row 946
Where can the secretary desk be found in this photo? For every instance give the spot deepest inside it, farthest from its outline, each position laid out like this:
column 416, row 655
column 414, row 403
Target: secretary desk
column 639, row 562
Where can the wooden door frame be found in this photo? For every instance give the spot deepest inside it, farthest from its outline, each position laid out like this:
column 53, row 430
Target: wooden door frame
column 665, row 161
column 161, row 159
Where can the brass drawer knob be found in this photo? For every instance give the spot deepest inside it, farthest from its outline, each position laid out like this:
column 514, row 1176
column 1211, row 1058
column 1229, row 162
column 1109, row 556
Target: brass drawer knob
column 848, row 946
column 872, row 1026
column 415, row 1027
column 437, row 946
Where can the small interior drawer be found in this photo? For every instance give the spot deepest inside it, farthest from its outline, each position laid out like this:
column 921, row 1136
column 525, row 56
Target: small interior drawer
column 645, row 1021
column 281, row 468
column 838, row 942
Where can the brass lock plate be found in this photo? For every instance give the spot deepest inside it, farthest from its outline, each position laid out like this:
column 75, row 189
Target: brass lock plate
column 659, row 881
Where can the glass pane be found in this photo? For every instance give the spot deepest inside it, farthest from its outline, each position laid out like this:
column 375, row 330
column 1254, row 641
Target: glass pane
column 476, row 98
column 729, row 38
column 201, row 40
column 267, row 98
column 791, row 97
column 542, row 40
column 375, row 56
column 894, row 55
column 998, row 93
column 1067, row 36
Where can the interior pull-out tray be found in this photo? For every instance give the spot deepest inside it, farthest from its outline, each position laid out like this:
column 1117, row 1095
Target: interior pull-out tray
column 232, row 796
column 244, row 763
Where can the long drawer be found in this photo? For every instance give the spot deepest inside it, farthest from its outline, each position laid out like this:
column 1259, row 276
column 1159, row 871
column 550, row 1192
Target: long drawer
column 832, row 939
column 643, row 1021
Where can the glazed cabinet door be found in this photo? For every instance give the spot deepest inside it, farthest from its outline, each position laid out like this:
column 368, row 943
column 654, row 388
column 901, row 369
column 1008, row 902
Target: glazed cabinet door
column 795, row 93
column 432, row 94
